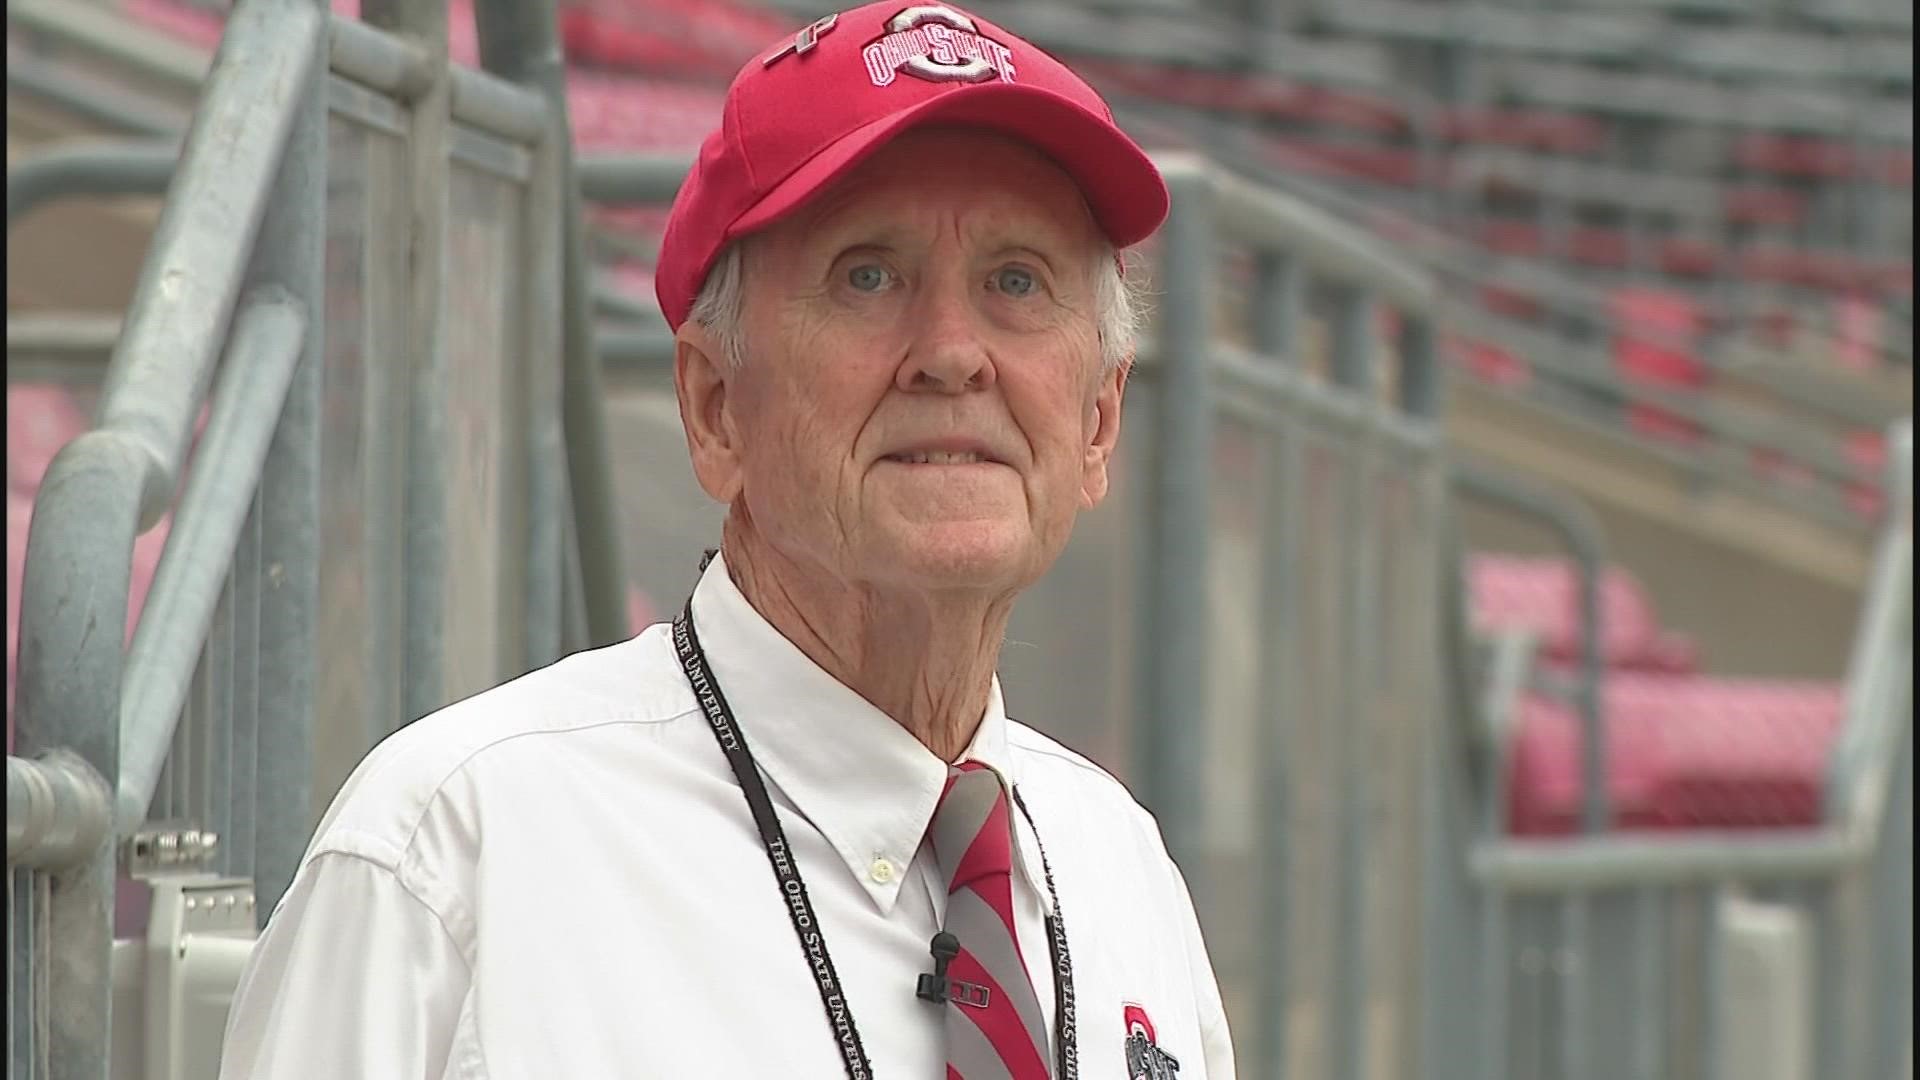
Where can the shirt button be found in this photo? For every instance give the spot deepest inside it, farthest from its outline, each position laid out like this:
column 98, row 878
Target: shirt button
column 881, row 871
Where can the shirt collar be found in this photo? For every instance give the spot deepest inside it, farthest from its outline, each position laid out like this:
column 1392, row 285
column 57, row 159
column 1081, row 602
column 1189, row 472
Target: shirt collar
column 867, row 785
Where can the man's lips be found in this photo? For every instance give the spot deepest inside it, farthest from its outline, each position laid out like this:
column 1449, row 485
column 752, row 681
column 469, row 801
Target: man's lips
column 939, row 457
column 945, row 452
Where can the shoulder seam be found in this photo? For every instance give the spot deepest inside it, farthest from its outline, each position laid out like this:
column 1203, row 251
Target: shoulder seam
column 439, row 786
column 439, row 919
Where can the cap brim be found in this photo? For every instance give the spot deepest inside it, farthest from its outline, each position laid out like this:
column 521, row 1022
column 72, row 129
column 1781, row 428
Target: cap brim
column 1121, row 185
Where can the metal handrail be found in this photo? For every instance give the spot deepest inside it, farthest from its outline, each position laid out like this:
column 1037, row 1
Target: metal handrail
column 1858, row 777
column 1855, row 777
column 189, row 286
column 1585, row 542
column 111, row 483
column 258, row 371
column 94, row 167
column 165, row 356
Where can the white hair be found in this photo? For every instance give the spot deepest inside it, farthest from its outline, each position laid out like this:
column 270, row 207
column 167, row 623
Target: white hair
column 1119, row 300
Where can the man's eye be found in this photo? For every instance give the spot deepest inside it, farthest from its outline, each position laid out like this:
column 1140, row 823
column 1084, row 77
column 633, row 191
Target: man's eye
column 1015, row 281
column 869, row 277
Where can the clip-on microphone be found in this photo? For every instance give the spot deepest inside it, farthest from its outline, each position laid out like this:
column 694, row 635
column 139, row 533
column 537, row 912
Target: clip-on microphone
column 939, row 989
column 934, row 987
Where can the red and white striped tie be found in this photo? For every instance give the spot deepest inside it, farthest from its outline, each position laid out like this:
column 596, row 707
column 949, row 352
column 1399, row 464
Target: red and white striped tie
column 1004, row 1037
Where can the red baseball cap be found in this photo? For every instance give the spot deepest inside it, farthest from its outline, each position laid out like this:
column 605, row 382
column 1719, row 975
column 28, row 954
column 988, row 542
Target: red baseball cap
column 802, row 115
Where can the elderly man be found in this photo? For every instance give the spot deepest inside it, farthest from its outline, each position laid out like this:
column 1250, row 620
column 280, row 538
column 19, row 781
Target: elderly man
column 794, row 833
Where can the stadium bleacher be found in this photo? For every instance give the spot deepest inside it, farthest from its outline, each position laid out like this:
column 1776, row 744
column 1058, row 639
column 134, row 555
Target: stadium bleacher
column 1555, row 120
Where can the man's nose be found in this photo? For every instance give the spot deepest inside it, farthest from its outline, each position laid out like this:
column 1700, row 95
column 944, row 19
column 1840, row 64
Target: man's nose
column 948, row 354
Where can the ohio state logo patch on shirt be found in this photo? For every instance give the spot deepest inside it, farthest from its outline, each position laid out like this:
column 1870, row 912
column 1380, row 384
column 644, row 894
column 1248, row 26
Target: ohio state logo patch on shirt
column 938, row 44
column 1145, row 1059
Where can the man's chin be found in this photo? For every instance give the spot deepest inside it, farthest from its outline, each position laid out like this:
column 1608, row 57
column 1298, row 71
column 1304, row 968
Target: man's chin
column 962, row 555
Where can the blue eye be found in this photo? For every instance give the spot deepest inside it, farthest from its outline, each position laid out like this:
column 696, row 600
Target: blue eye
column 869, row 277
column 1015, row 281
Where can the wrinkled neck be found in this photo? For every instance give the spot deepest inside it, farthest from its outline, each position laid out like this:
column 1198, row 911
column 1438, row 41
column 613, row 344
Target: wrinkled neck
column 925, row 658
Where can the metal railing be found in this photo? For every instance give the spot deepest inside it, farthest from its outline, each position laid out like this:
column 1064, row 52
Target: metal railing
column 291, row 303
column 1288, row 577
column 75, row 688
column 1609, row 956
column 402, row 69
column 1567, row 349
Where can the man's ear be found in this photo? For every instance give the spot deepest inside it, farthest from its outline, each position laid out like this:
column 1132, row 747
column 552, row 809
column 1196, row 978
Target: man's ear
column 700, row 380
column 1103, row 433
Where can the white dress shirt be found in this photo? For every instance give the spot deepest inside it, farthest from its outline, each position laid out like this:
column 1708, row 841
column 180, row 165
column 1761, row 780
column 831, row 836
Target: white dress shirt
column 560, row 878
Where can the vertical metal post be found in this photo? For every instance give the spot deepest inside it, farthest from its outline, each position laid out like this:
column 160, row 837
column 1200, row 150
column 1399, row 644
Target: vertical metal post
column 290, row 253
column 519, row 40
column 1277, row 731
column 1171, row 762
column 1572, row 962
column 543, row 328
column 1596, row 807
column 77, row 579
column 1893, row 899
column 23, row 997
column 1419, row 367
column 1576, row 525
column 237, row 844
column 1649, row 989
column 1714, row 946
column 1279, row 305
column 1353, row 339
column 217, row 752
column 1353, row 347
column 425, row 545
column 1495, row 960
column 1463, row 992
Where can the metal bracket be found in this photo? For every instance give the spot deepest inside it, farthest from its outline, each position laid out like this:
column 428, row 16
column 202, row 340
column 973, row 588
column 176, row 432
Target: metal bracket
column 168, row 850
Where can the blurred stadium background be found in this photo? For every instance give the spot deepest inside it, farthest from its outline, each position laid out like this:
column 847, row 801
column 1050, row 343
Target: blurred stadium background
column 1528, row 404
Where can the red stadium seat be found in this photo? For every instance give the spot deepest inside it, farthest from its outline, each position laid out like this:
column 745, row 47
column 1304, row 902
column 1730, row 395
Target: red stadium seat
column 1598, row 246
column 1857, row 333
column 1506, row 299
column 1532, row 129
column 1511, row 237
column 1802, row 157
column 709, row 38
column 1868, row 451
column 1541, row 595
column 1829, row 271
column 1668, row 361
column 1897, row 168
column 1490, row 363
column 1682, row 753
column 1388, row 166
column 624, row 112
column 1688, row 257
column 1765, row 206
column 1264, row 96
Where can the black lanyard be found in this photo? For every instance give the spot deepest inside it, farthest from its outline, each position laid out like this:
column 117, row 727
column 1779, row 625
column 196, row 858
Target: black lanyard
column 786, row 871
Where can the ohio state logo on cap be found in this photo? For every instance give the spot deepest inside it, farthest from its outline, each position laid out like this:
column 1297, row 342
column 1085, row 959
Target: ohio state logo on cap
column 937, row 44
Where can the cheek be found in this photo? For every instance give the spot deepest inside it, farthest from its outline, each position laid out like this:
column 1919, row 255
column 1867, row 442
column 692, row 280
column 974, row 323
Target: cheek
column 799, row 438
column 1059, row 421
